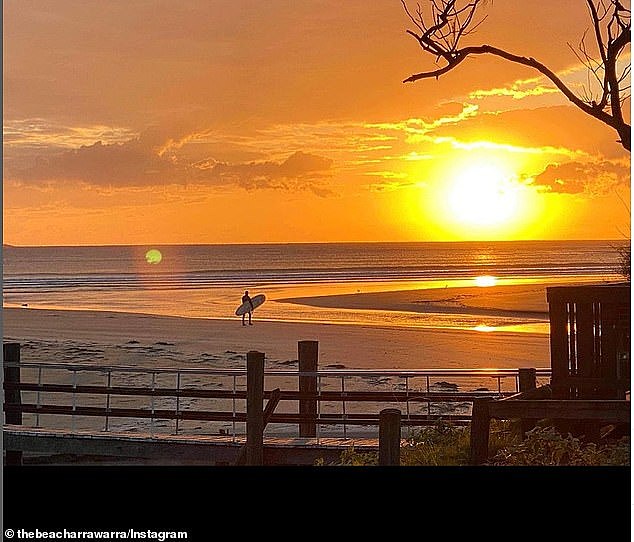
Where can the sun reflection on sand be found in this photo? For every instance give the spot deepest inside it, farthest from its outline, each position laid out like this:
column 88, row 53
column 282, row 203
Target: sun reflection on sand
column 485, row 329
column 485, row 281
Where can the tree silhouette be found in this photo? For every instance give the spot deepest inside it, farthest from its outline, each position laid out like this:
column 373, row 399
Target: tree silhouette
column 443, row 24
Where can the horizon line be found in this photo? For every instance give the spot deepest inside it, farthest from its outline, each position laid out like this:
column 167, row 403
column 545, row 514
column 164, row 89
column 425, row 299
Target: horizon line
column 283, row 243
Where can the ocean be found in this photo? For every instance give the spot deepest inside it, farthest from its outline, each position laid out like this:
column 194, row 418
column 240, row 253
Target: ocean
column 207, row 281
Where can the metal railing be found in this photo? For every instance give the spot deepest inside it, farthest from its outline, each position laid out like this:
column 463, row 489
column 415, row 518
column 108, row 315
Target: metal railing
column 347, row 388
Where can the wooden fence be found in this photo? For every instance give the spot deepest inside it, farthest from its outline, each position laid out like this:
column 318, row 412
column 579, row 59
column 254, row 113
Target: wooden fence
column 590, row 341
column 309, row 397
column 526, row 402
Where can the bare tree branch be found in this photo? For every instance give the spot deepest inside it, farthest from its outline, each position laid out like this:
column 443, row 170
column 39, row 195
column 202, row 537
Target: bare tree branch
column 441, row 28
column 596, row 20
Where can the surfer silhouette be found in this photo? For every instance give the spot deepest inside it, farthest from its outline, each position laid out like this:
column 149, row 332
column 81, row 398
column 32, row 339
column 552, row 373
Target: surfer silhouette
column 245, row 299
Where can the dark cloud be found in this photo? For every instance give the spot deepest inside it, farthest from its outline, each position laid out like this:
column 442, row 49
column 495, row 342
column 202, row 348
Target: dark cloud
column 390, row 186
column 132, row 163
column 594, row 178
column 155, row 159
column 300, row 163
column 300, row 170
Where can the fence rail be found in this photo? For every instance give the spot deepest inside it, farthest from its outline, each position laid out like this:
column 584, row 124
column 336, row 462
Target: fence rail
column 416, row 388
column 316, row 401
column 471, row 372
column 289, row 395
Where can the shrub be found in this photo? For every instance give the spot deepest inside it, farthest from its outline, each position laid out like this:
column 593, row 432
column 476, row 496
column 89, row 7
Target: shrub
column 449, row 445
column 625, row 261
column 438, row 445
column 352, row 458
column 545, row 446
column 442, row 444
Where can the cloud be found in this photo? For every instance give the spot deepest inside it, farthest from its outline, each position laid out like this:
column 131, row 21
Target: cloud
column 132, row 163
column 594, row 178
column 450, row 114
column 557, row 127
column 299, row 171
column 388, row 174
column 465, row 127
column 301, row 163
column 38, row 132
column 156, row 157
column 518, row 90
column 513, row 149
column 391, row 186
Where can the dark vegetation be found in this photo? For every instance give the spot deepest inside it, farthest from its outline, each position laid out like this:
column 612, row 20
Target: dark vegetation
column 448, row 445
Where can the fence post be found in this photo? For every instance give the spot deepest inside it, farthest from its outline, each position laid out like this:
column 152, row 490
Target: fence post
column 308, row 354
column 480, row 420
column 527, row 379
column 11, row 354
column 527, row 382
column 390, row 437
column 255, row 414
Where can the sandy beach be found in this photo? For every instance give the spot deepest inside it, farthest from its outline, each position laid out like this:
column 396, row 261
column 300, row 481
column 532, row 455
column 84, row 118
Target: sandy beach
column 528, row 300
column 158, row 341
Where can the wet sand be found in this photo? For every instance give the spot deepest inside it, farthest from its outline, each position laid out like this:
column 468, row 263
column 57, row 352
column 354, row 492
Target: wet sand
column 527, row 300
column 157, row 341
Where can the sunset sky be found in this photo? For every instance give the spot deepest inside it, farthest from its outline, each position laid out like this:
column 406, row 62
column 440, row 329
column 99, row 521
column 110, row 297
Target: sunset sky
column 233, row 121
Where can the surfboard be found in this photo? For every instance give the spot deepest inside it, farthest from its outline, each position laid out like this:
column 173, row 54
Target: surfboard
column 246, row 307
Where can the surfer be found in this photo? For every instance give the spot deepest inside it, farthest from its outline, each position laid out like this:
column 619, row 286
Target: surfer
column 245, row 299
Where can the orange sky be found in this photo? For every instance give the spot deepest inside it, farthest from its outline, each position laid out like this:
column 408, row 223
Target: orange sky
column 187, row 121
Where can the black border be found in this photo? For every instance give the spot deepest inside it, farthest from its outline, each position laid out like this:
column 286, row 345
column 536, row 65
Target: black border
column 324, row 502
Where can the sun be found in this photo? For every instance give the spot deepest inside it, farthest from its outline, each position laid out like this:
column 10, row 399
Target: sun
column 483, row 195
